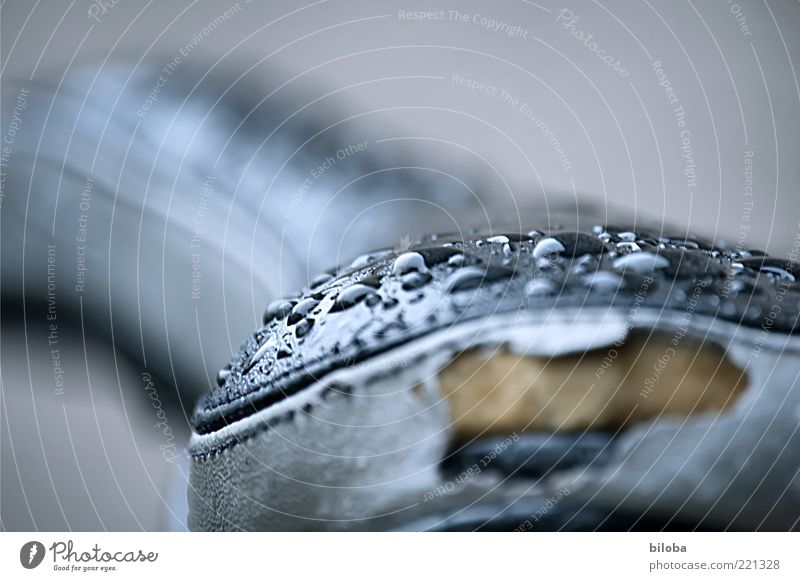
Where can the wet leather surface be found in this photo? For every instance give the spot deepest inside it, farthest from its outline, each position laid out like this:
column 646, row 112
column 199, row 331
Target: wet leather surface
column 395, row 296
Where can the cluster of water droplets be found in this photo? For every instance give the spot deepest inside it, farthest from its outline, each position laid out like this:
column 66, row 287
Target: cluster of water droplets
column 605, row 262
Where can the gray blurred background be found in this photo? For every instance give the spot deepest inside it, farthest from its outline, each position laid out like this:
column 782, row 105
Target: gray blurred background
column 684, row 113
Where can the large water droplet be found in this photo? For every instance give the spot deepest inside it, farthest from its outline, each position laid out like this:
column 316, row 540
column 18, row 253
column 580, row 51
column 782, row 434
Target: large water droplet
column 409, row 262
column 415, row 280
column 499, row 239
column 641, row 262
column 456, row 260
column 365, row 259
column 547, row 247
column 303, row 327
column 472, row 277
column 783, row 269
column 437, row 254
column 603, row 281
column 301, row 310
column 751, row 253
column 276, row 309
column 351, row 296
column 321, row 279
column 223, row 375
column 541, row 287
column 373, row 281
column 373, row 300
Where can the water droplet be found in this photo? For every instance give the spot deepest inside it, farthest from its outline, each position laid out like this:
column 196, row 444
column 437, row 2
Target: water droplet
column 641, row 262
column 416, row 298
column 472, row 277
column 303, row 327
column 373, row 281
column 603, row 281
column 547, row 247
column 223, row 375
column 301, row 310
column 499, row 239
column 548, row 263
column 737, row 266
column 437, row 254
column 753, row 253
column 628, row 247
column 456, row 260
column 277, row 309
column 361, row 261
column 783, row 269
column 584, row 264
column 685, row 243
column 365, row 259
column 541, row 287
column 409, row 262
column 321, row 279
column 351, row 296
column 415, row 280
